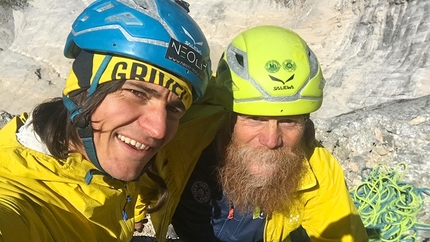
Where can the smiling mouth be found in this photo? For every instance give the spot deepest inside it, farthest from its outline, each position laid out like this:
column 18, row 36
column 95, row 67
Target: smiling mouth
column 133, row 143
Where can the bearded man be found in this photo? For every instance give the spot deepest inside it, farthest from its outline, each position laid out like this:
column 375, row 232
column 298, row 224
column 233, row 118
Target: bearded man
column 262, row 177
column 252, row 174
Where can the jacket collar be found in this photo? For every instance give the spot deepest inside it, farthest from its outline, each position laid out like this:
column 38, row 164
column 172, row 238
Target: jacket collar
column 28, row 137
column 308, row 180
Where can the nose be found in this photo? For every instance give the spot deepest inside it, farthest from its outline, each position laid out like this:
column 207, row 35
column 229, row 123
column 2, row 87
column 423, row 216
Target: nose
column 154, row 120
column 271, row 135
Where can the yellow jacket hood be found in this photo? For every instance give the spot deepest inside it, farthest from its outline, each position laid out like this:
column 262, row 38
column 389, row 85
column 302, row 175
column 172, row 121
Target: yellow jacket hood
column 46, row 199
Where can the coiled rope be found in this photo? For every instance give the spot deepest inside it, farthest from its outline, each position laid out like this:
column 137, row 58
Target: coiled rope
column 388, row 206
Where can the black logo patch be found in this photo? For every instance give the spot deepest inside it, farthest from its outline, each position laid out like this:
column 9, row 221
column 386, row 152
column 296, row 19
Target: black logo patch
column 187, row 57
column 284, row 86
column 201, row 191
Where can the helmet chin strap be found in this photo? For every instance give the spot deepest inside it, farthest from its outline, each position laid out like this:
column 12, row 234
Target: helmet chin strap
column 84, row 128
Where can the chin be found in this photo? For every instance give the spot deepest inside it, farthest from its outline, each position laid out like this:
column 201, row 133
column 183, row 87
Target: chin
column 261, row 172
column 125, row 175
column 127, row 178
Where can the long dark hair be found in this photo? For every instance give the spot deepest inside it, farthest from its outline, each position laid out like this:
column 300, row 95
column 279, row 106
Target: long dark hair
column 51, row 121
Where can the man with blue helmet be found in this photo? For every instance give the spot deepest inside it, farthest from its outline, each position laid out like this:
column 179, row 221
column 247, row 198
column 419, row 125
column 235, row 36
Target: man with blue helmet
column 69, row 169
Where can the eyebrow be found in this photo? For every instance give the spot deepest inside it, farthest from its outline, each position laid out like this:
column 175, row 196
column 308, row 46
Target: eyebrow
column 175, row 103
column 150, row 91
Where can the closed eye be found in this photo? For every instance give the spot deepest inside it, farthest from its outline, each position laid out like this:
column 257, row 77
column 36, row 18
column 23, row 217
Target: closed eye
column 256, row 118
column 176, row 107
column 287, row 120
column 139, row 90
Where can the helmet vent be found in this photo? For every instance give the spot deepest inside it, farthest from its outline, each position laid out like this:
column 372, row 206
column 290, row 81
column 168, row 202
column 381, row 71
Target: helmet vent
column 105, row 7
column 313, row 63
column 183, row 4
column 141, row 3
column 239, row 59
column 126, row 18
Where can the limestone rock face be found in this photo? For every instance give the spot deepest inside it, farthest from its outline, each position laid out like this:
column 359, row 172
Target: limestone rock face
column 371, row 51
column 388, row 134
column 374, row 55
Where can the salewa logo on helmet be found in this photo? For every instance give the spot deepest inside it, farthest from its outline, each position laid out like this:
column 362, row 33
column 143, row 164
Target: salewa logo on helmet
column 278, row 88
column 279, row 80
column 192, row 45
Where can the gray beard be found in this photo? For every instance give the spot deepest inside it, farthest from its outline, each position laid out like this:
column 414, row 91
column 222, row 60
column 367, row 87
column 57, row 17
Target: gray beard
column 259, row 177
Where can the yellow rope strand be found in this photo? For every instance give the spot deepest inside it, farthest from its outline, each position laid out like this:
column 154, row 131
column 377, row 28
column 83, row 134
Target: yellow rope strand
column 388, row 205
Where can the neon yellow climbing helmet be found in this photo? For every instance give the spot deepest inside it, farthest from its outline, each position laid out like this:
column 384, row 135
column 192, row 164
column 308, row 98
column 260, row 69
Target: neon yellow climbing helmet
column 270, row 71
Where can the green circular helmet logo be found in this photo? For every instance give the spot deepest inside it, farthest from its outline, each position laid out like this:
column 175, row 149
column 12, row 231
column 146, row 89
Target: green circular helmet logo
column 289, row 65
column 272, row 66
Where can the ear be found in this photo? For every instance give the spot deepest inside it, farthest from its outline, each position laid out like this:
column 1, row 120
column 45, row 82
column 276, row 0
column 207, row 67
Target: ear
column 309, row 133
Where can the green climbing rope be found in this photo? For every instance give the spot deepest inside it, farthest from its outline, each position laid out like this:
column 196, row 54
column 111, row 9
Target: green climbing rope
column 389, row 206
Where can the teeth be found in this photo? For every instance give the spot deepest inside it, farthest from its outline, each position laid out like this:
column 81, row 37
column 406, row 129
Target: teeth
column 133, row 143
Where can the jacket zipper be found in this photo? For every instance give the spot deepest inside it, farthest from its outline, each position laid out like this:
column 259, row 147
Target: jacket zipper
column 127, row 200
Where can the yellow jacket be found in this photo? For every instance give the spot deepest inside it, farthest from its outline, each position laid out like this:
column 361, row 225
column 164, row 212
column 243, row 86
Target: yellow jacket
column 326, row 211
column 175, row 162
column 45, row 199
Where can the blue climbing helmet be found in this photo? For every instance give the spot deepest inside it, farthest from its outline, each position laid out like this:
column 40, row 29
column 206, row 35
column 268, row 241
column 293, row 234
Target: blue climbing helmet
column 150, row 40
column 158, row 32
